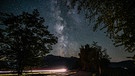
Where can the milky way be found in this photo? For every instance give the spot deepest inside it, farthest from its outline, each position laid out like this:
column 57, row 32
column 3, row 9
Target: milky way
column 59, row 28
column 63, row 46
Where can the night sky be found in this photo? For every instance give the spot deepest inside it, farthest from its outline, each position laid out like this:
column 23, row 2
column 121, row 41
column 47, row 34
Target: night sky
column 71, row 28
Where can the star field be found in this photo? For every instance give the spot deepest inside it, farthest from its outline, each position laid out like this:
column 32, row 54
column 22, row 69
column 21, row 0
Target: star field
column 71, row 28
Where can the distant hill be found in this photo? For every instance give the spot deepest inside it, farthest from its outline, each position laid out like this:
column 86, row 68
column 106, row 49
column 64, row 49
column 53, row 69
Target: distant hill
column 123, row 64
column 127, row 66
column 73, row 62
column 58, row 61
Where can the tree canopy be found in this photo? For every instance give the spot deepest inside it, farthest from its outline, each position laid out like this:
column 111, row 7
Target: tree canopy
column 93, row 57
column 116, row 16
column 24, row 40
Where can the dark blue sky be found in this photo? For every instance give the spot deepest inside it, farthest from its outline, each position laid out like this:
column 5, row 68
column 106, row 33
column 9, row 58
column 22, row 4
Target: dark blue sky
column 71, row 28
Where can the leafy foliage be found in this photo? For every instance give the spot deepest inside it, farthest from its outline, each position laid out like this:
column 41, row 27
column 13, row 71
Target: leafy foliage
column 116, row 16
column 92, row 57
column 24, row 39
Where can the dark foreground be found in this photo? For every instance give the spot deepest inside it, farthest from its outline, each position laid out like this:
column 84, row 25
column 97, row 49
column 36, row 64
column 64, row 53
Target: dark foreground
column 68, row 73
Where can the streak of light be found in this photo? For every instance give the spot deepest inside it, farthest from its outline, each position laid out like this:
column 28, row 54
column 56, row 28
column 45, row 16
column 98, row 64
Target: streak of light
column 53, row 70
column 40, row 71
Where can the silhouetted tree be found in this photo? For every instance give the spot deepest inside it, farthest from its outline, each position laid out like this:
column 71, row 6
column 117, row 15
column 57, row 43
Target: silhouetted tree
column 116, row 16
column 91, row 57
column 24, row 39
